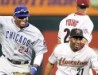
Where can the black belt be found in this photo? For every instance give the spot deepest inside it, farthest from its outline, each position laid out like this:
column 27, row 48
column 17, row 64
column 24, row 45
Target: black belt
column 17, row 62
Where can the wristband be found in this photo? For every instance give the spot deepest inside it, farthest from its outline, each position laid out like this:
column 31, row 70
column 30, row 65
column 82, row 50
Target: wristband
column 33, row 69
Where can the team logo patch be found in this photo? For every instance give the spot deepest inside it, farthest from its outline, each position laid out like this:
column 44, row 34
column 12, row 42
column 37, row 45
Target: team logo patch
column 78, row 31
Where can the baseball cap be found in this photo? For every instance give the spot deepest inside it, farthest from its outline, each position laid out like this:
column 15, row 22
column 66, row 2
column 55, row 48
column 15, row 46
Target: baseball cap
column 83, row 3
column 21, row 11
column 76, row 33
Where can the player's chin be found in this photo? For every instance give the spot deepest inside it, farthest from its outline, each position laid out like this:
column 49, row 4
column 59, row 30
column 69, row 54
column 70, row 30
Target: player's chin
column 22, row 26
column 77, row 48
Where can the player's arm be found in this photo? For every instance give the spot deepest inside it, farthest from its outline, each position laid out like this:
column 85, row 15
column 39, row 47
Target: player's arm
column 59, row 40
column 51, row 61
column 59, row 32
column 39, row 48
column 94, row 62
column 37, row 61
column 87, row 28
column 1, row 25
column 49, row 68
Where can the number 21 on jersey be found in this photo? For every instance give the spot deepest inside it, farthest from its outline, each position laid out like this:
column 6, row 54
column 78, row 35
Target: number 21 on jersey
column 80, row 71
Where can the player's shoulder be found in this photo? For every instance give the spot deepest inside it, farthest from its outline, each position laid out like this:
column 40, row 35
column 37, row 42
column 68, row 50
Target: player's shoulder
column 89, row 50
column 6, row 17
column 88, row 22
column 34, row 30
column 65, row 18
column 61, row 47
column 88, row 19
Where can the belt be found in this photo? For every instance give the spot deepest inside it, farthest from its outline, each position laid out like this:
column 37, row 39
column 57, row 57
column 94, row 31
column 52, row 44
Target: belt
column 17, row 62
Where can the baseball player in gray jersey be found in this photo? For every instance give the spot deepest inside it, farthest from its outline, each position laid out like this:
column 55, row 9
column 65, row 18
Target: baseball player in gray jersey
column 73, row 58
column 19, row 39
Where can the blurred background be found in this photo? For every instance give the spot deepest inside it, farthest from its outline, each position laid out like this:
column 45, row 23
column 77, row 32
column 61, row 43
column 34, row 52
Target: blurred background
column 46, row 15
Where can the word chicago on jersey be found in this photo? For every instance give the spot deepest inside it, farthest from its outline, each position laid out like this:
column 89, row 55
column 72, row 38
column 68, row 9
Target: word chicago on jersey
column 18, row 38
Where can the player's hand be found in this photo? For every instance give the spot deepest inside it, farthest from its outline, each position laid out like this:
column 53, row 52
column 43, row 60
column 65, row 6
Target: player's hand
column 33, row 70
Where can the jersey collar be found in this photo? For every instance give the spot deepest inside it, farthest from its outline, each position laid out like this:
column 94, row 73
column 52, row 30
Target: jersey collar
column 79, row 13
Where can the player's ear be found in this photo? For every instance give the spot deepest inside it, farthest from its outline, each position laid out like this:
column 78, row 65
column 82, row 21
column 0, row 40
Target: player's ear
column 14, row 17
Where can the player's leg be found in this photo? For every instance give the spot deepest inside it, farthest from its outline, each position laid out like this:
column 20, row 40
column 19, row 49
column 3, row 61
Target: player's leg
column 21, row 69
column 17, row 73
column 5, row 68
column 92, row 71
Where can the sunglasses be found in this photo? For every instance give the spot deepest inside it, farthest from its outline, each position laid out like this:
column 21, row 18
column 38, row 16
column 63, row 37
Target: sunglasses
column 22, row 17
column 22, row 12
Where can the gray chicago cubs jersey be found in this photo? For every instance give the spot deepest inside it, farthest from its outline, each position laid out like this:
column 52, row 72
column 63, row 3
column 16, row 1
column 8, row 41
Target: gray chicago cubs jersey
column 17, row 43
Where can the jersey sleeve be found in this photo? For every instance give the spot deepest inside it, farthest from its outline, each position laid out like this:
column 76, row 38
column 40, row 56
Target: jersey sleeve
column 1, row 27
column 87, row 28
column 1, row 22
column 60, row 30
column 94, row 62
column 39, row 45
column 53, row 57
